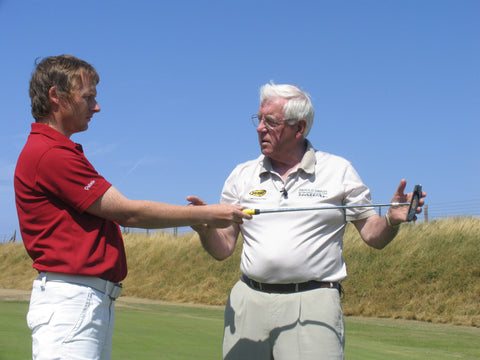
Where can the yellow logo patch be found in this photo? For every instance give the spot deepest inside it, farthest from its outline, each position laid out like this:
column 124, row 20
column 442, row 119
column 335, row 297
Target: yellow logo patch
column 258, row 192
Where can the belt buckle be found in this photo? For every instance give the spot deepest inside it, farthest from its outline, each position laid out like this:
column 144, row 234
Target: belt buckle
column 256, row 285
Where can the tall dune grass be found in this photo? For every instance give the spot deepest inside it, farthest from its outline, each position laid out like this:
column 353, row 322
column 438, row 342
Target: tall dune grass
column 430, row 272
column 177, row 269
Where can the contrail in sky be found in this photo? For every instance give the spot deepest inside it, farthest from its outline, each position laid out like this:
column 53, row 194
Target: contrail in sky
column 137, row 164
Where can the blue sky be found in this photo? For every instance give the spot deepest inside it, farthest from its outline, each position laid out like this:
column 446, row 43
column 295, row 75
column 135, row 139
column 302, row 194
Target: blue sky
column 395, row 86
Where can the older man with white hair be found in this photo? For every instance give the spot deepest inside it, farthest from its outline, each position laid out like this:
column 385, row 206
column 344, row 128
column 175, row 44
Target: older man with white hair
column 287, row 303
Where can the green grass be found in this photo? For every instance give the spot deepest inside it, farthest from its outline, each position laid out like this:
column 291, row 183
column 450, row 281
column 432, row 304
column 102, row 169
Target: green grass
column 167, row 332
column 15, row 340
column 382, row 339
column 145, row 332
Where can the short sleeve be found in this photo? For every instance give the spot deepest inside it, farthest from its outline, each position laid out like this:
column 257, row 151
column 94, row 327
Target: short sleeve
column 230, row 191
column 69, row 176
column 356, row 193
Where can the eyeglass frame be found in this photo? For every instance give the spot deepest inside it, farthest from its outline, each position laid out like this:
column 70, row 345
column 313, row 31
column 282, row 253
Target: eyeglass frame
column 269, row 124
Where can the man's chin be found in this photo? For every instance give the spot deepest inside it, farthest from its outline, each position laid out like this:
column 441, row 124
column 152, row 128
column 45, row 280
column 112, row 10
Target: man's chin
column 265, row 151
column 82, row 129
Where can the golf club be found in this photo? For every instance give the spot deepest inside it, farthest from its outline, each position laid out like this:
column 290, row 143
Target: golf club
column 417, row 194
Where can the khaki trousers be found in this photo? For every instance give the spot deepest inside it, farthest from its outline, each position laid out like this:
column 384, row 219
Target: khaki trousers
column 264, row 326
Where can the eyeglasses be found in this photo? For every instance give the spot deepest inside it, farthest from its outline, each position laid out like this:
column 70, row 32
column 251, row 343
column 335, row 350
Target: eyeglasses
column 269, row 121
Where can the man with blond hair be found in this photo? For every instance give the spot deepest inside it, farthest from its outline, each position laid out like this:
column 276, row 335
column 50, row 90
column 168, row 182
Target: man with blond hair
column 70, row 215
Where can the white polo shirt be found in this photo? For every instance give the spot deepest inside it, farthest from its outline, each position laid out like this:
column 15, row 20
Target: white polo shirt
column 292, row 247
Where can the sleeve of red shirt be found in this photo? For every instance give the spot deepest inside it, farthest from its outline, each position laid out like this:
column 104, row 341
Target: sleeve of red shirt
column 68, row 175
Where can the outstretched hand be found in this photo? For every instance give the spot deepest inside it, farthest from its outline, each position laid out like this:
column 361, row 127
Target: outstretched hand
column 218, row 215
column 398, row 214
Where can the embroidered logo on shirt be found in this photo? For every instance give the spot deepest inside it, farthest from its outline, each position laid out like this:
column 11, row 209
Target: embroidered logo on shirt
column 258, row 193
column 90, row 184
column 313, row 193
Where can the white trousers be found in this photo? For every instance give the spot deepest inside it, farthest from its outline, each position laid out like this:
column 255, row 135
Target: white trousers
column 307, row 325
column 70, row 321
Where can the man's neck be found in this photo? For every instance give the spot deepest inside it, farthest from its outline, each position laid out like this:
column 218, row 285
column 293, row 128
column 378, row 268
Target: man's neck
column 285, row 166
column 54, row 124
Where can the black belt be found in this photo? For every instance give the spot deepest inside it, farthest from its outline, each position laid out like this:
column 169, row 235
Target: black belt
column 290, row 288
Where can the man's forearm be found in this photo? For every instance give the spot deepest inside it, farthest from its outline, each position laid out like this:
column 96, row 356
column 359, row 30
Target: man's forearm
column 112, row 205
column 376, row 232
column 220, row 243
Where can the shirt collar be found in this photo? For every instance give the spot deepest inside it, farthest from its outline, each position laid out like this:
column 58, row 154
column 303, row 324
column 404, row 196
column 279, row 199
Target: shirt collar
column 307, row 164
column 48, row 131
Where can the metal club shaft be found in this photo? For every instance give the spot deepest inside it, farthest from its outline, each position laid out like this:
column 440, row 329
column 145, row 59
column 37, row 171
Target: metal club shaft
column 412, row 210
column 266, row 211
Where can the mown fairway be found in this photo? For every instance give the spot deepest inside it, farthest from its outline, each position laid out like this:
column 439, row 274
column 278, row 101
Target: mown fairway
column 152, row 331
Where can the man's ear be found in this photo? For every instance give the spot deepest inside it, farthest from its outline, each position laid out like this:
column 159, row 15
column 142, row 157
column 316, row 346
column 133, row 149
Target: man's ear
column 301, row 125
column 53, row 95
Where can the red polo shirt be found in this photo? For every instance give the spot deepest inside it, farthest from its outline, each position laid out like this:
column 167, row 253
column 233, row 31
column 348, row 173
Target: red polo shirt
column 54, row 185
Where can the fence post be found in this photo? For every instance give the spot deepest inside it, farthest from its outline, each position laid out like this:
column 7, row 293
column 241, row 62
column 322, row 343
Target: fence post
column 425, row 211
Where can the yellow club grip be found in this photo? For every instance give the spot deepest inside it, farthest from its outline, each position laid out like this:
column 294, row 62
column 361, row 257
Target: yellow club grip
column 251, row 211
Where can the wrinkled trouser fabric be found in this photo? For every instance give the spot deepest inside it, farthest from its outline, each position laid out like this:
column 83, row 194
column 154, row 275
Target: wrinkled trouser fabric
column 262, row 326
column 70, row 321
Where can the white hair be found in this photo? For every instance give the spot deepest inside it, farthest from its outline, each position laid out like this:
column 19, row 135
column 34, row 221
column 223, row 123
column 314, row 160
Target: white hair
column 298, row 106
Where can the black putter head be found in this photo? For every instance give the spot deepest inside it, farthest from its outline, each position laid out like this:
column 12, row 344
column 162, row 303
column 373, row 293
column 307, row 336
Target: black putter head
column 417, row 195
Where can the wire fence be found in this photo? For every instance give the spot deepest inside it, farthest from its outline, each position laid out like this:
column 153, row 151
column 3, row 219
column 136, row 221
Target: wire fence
column 442, row 210
column 8, row 237
column 452, row 209
column 431, row 211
